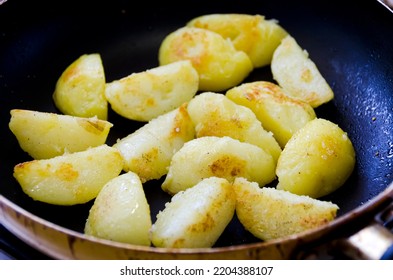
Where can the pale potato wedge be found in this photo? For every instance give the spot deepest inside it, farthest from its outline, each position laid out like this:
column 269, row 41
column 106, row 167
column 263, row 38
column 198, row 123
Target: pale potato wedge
column 317, row 160
column 219, row 65
column 253, row 34
column 213, row 114
column 222, row 157
column 278, row 112
column 298, row 75
column 146, row 95
column 269, row 213
column 149, row 150
column 80, row 90
column 121, row 212
column 45, row 135
column 196, row 217
column 71, row 178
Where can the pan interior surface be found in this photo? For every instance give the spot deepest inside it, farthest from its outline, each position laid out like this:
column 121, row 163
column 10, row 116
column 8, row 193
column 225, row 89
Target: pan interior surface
column 351, row 45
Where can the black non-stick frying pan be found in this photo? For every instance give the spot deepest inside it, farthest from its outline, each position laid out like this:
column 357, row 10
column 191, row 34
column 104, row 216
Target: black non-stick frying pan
column 351, row 42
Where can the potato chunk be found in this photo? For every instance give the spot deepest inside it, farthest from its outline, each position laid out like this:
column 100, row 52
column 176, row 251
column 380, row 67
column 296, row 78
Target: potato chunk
column 80, row 90
column 71, row 178
column 196, row 217
column 278, row 112
column 149, row 150
column 213, row 114
column 253, row 34
column 219, row 65
column 46, row 135
column 121, row 212
column 269, row 213
column 317, row 160
column 222, row 157
column 146, row 95
column 298, row 75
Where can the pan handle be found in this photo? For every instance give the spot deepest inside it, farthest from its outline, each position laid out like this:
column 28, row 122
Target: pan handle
column 374, row 242
column 364, row 233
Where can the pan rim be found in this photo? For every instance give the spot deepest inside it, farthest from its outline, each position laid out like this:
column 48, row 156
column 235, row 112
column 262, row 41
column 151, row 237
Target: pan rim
column 371, row 207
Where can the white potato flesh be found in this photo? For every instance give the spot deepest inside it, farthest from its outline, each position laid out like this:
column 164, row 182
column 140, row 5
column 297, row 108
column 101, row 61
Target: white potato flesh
column 298, row 75
column 80, row 90
column 317, row 160
column 269, row 213
column 45, row 135
column 219, row 65
column 213, row 114
column 278, row 112
column 145, row 95
column 196, row 217
column 252, row 34
column 149, row 150
column 69, row 179
column 121, row 212
column 222, row 157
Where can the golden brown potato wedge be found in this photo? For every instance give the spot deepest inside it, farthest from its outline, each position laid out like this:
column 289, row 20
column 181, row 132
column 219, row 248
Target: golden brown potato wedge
column 121, row 212
column 146, row 95
column 71, row 178
column 253, row 34
column 45, row 135
column 80, row 90
column 317, row 160
column 269, row 213
column 278, row 112
column 149, row 150
column 219, row 65
column 213, row 114
column 196, row 217
column 298, row 75
column 222, row 157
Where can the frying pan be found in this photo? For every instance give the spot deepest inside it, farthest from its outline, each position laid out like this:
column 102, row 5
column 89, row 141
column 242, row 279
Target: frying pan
column 351, row 42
